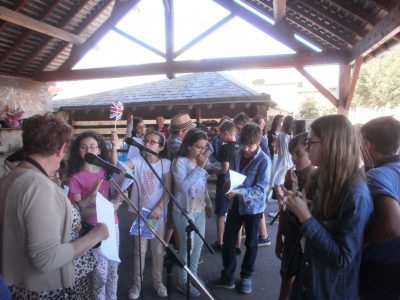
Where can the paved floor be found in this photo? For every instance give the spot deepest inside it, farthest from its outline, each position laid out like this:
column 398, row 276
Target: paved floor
column 266, row 279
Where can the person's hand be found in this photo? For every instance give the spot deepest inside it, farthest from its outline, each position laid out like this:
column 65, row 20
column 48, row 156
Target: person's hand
column 279, row 246
column 297, row 204
column 156, row 212
column 117, row 201
column 294, row 180
column 201, row 160
column 208, row 212
column 231, row 195
column 91, row 197
column 100, row 230
column 114, row 139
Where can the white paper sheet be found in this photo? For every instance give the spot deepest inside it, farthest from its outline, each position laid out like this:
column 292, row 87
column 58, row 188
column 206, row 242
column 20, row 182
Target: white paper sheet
column 105, row 214
column 236, row 180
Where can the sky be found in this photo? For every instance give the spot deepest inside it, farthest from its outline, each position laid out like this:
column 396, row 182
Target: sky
column 235, row 38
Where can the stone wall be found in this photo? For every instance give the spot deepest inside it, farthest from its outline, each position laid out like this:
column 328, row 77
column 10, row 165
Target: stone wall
column 29, row 95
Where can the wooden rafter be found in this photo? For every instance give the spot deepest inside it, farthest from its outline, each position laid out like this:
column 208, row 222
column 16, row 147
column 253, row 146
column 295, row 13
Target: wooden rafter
column 30, row 23
column 169, row 36
column 285, row 38
column 387, row 28
column 204, row 34
column 26, row 35
column 325, row 92
column 78, row 51
column 139, row 42
column 351, row 9
column 333, row 18
column 347, row 84
column 279, row 10
column 320, row 23
column 63, row 45
column 205, row 65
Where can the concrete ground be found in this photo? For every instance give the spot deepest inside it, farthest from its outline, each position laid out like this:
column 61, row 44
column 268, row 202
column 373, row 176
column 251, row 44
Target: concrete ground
column 266, row 279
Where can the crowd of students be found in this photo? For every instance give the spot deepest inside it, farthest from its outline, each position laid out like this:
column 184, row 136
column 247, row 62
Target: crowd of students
column 339, row 206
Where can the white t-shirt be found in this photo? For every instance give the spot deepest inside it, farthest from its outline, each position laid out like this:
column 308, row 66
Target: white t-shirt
column 150, row 189
column 134, row 151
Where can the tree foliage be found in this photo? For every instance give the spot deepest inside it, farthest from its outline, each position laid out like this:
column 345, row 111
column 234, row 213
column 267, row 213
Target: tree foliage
column 311, row 109
column 379, row 82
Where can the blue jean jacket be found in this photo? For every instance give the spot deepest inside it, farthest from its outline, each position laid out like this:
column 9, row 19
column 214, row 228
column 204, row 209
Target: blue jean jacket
column 253, row 192
column 331, row 261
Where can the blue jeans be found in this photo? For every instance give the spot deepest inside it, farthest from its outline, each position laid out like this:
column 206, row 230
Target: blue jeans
column 233, row 223
column 199, row 220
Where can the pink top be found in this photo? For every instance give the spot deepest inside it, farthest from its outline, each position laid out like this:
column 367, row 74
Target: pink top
column 82, row 183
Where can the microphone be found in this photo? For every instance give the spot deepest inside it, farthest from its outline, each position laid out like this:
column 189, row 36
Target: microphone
column 97, row 161
column 132, row 142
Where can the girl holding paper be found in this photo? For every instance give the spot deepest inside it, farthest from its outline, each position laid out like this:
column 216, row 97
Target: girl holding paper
column 85, row 180
column 148, row 193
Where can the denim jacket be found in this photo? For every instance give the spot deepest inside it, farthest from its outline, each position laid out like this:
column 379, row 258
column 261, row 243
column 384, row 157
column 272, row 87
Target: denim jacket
column 332, row 255
column 190, row 183
column 253, row 192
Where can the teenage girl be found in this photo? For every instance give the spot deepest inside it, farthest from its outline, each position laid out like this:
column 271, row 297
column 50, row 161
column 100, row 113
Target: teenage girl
column 333, row 227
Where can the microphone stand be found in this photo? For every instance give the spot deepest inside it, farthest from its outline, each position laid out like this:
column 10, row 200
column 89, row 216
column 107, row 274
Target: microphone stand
column 170, row 251
column 189, row 229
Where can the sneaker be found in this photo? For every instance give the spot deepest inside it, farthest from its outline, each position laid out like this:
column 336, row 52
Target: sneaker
column 220, row 283
column 193, row 292
column 161, row 290
column 238, row 251
column 264, row 242
column 134, row 293
column 217, row 246
column 245, row 285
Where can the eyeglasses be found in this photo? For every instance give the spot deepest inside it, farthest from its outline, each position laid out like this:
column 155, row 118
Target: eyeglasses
column 310, row 142
column 199, row 147
column 88, row 147
column 150, row 142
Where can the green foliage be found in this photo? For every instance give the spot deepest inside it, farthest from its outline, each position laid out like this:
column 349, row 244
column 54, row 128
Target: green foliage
column 311, row 109
column 379, row 82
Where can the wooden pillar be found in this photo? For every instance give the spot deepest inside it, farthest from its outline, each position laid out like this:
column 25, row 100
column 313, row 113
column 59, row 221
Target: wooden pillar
column 198, row 114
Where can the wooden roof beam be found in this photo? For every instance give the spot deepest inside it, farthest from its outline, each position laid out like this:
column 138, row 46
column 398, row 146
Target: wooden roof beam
column 287, row 38
column 204, row 34
column 325, row 92
column 354, row 10
column 279, row 10
column 63, row 45
column 169, row 36
column 205, row 65
column 33, row 24
column 387, row 28
column 137, row 41
column 347, row 84
column 121, row 8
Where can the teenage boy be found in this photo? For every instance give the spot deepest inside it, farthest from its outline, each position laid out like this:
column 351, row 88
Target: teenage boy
column 227, row 132
column 380, row 267
column 247, row 207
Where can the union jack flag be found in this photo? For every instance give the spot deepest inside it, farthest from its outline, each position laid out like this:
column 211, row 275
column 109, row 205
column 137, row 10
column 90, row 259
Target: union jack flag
column 116, row 110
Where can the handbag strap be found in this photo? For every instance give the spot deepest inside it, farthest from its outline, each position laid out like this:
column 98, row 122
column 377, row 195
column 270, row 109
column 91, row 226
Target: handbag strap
column 37, row 165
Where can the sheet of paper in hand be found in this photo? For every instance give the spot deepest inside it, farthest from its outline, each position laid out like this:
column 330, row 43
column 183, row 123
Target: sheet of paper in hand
column 105, row 214
column 120, row 179
column 236, row 180
column 138, row 224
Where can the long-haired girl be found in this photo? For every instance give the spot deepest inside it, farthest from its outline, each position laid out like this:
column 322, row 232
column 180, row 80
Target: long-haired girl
column 334, row 226
column 85, row 180
column 190, row 188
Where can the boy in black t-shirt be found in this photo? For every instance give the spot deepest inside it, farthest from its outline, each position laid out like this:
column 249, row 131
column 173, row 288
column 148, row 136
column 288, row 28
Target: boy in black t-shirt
column 228, row 135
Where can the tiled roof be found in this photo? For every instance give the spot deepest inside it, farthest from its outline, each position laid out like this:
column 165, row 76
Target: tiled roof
column 210, row 87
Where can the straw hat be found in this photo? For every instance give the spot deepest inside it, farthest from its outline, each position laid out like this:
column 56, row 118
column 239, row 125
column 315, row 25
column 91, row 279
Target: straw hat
column 181, row 121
